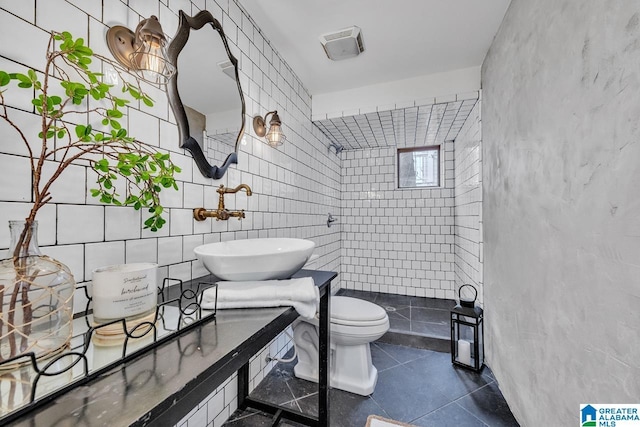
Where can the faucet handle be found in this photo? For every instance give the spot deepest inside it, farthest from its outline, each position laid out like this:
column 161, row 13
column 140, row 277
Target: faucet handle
column 199, row 214
column 330, row 219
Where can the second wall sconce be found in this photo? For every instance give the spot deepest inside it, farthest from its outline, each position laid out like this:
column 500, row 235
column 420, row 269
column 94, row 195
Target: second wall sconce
column 274, row 136
column 143, row 52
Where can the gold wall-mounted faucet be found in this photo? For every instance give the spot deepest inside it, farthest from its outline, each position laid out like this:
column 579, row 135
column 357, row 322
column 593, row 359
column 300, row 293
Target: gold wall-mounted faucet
column 200, row 214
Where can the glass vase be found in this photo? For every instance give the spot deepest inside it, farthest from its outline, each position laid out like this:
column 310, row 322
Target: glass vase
column 37, row 300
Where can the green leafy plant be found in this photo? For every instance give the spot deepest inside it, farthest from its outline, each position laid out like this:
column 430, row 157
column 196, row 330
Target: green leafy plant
column 130, row 172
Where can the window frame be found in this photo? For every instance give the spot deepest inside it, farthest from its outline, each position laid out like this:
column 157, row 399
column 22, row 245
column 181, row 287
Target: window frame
column 437, row 148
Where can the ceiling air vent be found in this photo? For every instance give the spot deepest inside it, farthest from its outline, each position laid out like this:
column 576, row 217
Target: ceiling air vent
column 343, row 44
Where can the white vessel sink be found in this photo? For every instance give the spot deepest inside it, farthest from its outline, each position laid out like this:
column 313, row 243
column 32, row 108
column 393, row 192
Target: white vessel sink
column 255, row 259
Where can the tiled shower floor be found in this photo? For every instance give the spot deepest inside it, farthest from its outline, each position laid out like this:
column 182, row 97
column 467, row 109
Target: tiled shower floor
column 416, row 315
column 415, row 385
column 413, row 321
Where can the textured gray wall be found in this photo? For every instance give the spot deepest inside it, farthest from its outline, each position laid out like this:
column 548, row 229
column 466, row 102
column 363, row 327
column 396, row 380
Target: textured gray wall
column 561, row 192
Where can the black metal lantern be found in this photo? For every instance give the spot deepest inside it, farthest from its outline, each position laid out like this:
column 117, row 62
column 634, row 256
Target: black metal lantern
column 467, row 340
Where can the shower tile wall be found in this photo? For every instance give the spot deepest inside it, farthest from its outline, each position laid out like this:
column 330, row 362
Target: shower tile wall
column 468, row 203
column 294, row 187
column 398, row 241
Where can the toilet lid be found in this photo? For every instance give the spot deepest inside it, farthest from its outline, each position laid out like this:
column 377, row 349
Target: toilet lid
column 353, row 311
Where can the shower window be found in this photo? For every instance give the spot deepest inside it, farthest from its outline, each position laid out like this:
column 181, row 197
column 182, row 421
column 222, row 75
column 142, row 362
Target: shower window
column 419, row 167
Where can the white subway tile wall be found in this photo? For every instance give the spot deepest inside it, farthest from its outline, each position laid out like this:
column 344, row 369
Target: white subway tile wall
column 294, row 186
column 468, row 203
column 397, row 241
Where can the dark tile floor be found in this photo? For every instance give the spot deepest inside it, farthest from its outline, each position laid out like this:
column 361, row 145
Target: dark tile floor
column 416, row 315
column 415, row 385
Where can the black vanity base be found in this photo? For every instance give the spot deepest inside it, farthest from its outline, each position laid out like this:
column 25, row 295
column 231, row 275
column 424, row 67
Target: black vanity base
column 164, row 384
column 279, row 412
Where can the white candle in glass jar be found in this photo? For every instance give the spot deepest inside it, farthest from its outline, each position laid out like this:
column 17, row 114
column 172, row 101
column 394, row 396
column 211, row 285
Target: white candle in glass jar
column 124, row 291
column 464, row 352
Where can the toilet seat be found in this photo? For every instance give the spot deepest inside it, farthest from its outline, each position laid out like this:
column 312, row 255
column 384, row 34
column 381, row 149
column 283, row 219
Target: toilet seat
column 349, row 311
column 354, row 312
column 354, row 321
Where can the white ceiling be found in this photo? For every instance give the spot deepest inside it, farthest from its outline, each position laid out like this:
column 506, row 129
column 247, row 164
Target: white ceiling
column 403, row 38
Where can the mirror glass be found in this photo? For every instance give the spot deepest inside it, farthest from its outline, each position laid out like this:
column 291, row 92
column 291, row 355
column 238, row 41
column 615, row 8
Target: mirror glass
column 205, row 93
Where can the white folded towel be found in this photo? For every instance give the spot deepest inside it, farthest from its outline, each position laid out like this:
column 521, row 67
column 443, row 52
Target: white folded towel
column 300, row 293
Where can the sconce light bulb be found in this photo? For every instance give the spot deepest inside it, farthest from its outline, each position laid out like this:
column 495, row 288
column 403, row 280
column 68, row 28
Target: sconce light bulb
column 275, row 136
column 143, row 51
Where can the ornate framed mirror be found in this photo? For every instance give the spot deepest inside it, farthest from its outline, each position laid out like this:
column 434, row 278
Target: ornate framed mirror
column 205, row 93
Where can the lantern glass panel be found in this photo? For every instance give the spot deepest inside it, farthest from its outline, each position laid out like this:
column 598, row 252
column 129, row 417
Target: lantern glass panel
column 467, row 337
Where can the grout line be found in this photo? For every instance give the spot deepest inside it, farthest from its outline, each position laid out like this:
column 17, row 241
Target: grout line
column 471, row 392
column 387, row 353
column 399, row 362
column 250, row 414
column 379, row 406
column 295, row 399
column 472, row 414
column 444, row 406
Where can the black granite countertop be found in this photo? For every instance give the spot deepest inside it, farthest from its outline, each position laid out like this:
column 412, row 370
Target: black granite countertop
column 163, row 384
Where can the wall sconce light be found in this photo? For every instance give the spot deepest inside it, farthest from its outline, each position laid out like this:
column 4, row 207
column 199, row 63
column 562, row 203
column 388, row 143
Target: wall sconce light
column 274, row 136
column 143, row 52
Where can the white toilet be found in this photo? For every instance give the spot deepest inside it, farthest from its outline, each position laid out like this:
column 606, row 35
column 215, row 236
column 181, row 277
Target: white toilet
column 354, row 324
